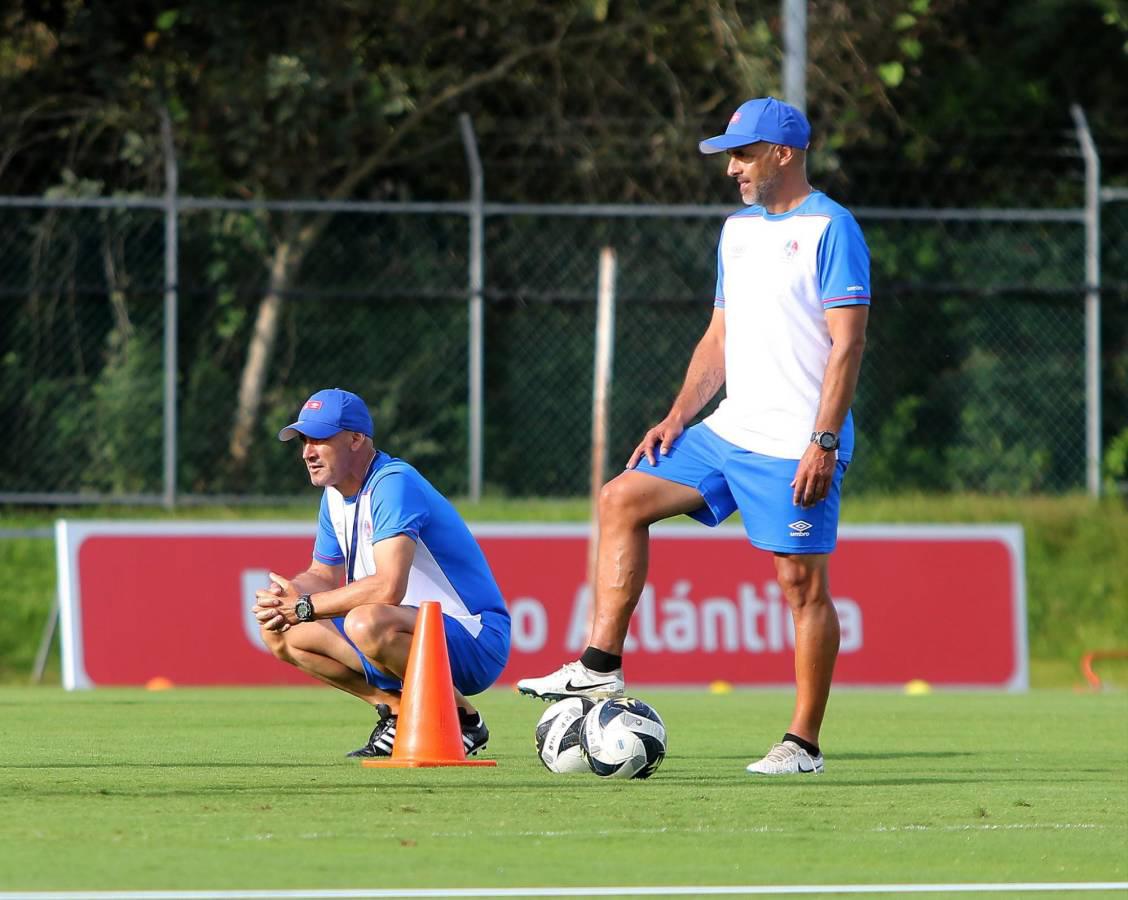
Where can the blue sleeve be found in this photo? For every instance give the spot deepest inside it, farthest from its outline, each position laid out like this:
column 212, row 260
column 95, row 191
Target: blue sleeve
column 326, row 548
column 719, row 293
column 399, row 506
column 844, row 264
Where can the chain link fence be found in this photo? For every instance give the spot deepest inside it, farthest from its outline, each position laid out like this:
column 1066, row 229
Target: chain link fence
column 974, row 377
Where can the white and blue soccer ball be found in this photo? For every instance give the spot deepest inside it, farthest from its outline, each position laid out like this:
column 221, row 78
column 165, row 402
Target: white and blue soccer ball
column 623, row 738
column 558, row 735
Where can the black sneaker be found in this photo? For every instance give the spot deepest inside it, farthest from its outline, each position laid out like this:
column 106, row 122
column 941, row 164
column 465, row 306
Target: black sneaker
column 475, row 734
column 383, row 735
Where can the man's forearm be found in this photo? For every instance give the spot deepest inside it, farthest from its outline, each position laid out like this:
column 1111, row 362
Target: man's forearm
column 703, row 378
column 311, row 583
column 337, row 601
column 839, row 384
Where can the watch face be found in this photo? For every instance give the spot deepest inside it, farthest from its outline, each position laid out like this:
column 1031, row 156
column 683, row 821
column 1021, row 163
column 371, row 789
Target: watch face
column 828, row 441
column 303, row 609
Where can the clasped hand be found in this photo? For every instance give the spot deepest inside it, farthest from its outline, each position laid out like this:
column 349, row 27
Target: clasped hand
column 274, row 606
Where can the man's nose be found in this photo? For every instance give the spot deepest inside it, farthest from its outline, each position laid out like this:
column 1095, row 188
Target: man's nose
column 733, row 168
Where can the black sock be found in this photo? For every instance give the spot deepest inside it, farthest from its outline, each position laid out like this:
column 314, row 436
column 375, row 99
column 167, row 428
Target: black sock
column 598, row 661
column 467, row 717
column 812, row 749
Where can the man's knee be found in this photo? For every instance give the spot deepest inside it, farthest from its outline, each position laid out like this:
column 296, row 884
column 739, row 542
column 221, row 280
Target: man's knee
column 370, row 631
column 802, row 580
column 621, row 502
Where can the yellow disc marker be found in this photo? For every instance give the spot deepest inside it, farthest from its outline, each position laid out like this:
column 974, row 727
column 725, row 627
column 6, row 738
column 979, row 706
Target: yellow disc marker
column 917, row 687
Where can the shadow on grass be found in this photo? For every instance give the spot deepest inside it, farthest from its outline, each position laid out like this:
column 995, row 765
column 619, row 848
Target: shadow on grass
column 922, row 754
column 250, row 793
column 863, row 757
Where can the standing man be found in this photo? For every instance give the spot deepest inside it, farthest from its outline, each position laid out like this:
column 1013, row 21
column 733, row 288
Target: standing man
column 786, row 340
column 395, row 541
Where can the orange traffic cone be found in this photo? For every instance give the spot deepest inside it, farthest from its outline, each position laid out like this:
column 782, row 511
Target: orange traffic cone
column 428, row 732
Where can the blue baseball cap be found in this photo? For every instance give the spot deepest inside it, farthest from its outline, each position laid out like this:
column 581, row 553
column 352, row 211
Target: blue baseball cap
column 326, row 413
column 763, row 119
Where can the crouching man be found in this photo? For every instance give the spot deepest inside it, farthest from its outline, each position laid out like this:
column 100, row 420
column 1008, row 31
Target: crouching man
column 394, row 541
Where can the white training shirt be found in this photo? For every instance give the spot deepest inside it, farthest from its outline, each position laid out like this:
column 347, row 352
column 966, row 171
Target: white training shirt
column 395, row 499
column 776, row 275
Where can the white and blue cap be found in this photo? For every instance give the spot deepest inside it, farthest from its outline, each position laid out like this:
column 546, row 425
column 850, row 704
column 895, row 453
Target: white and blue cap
column 762, row 119
column 326, row 413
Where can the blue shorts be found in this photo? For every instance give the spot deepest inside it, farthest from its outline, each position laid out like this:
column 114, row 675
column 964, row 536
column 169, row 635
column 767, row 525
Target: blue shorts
column 475, row 663
column 731, row 478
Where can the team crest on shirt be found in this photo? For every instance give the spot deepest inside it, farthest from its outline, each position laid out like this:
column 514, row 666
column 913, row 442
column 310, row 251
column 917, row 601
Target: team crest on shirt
column 790, row 249
column 366, row 531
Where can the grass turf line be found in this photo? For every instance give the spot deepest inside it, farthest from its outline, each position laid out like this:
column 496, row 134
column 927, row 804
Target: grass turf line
column 247, row 788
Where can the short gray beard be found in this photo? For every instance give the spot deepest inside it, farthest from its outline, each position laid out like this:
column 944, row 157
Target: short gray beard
column 766, row 190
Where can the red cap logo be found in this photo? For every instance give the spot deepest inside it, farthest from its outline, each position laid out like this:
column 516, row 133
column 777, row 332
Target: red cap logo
column 312, row 404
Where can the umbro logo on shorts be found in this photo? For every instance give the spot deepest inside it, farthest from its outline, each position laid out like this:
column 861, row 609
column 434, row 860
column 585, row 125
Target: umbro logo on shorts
column 799, row 528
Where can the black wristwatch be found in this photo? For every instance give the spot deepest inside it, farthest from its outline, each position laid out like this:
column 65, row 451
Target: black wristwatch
column 827, row 440
column 303, row 609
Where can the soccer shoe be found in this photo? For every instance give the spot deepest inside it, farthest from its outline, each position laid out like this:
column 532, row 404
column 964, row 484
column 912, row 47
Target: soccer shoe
column 787, row 758
column 475, row 734
column 383, row 735
column 574, row 679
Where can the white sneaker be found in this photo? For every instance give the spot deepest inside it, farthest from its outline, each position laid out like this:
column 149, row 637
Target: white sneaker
column 787, row 758
column 574, row 679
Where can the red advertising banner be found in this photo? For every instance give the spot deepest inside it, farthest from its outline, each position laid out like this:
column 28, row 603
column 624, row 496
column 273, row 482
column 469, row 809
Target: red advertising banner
column 941, row 603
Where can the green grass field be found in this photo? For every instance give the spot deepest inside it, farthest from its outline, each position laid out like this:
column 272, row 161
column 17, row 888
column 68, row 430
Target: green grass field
column 122, row 789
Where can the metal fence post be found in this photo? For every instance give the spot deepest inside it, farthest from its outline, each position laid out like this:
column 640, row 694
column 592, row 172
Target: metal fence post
column 557, row 283
column 1092, row 301
column 477, row 279
column 170, row 311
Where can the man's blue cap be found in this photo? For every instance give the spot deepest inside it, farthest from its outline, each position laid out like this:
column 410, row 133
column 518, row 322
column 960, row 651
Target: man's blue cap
column 763, row 119
column 326, row 413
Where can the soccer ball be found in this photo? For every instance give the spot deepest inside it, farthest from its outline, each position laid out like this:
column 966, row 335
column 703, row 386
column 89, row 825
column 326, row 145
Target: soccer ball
column 623, row 738
column 558, row 735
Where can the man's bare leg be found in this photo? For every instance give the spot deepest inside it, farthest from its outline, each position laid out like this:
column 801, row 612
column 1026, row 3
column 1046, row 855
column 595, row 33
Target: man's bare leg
column 628, row 506
column 318, row 649
column 384, row 634
column 803, row 578
column 805, row 583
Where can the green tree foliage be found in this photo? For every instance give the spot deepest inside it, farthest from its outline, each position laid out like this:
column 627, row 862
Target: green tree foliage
column 914, row 102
